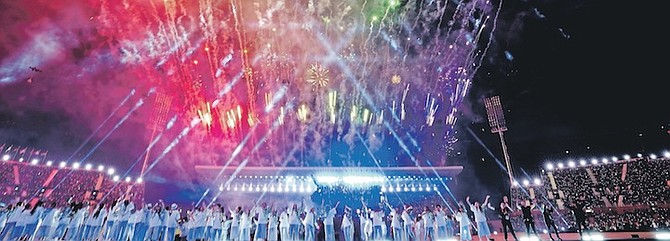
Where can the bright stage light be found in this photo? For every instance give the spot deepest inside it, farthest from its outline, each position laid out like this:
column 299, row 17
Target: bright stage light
column 101, row 168
column 21, row 159
column 140, row 180
column 397, row 189
column 111, row 171
column 663, row 236
column 383, row 189
column 116, row 178
column 34, row 161
column 594, row 161
column 560, row 165
column 531, row 238
column 413, row 189
column 582, row 162
column 280, row 189
column 614, row 159
column 326, row 179
column 88, row 166
column 420, row 189
column 571, row 164
column 526, row 183
column 537, row 181
column 550, row 166
column 639, row 155
column 49, row 163
column 272, row 188
column 666, row 154
column 62, row 164
column 605, row 160
column 75, row 165
column 6, row 157
column 515, row 183
column 258, row 188
column 594, row 237
column 652, row 156
column 220, row 188
column 128, row 179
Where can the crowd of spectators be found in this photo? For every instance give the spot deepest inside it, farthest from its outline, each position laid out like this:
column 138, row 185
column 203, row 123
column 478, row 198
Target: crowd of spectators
column 30, row 181
column 647, row 182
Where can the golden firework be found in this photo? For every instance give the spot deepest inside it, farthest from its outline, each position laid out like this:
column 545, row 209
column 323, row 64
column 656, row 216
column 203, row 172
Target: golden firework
column 317, row 76
column 395, row 79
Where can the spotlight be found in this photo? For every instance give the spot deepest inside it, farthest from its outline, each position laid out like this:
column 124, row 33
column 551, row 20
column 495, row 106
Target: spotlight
column 582, row 162
column 537, row 181
column 34, row 161
column 614, row 159
column 560, row 165
column 383, row 189
column 110, row 171
column 652, row 156
column 128, row 179
column 62, row 164
column 116, row 178
column 6, row 157
column 666, row 154
column 101, row 168
column 605, row 160
column 626, row 157
column 594, row 161
column 571, row 164
column 88, row 166
column 413, row 189
column 21, row 159
column 140, row 180
column 75, row 165
column 49, row 163
column 526, row 183
column 515, row 183
column 639, row 155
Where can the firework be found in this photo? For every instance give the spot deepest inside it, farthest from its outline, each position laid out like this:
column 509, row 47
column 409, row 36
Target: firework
column 317, row 76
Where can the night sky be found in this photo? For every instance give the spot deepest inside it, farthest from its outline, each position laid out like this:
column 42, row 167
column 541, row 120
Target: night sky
column 584, row 77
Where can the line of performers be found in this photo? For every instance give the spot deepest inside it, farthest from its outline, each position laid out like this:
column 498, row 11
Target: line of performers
column 158, row 222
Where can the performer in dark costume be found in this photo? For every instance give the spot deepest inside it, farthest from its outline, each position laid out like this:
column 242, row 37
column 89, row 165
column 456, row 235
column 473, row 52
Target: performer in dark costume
column 528, row 219
column 505, row 212
column 580, row 214
column 547, row 211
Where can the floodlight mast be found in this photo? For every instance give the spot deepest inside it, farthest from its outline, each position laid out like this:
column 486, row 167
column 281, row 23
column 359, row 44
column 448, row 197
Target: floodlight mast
column 496, row 119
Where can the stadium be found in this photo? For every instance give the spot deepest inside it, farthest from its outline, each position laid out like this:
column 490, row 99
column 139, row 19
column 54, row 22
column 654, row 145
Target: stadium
column 320, row 120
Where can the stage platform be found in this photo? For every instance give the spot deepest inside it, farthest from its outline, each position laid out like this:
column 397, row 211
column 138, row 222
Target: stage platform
column 575, row 236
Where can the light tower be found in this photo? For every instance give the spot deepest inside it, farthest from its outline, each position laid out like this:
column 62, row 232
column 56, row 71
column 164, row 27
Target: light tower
column 496, row 118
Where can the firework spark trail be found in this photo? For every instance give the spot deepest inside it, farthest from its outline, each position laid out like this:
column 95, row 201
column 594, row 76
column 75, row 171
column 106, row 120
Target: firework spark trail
column 132, row 92
column 495, row 24
column 239, row 168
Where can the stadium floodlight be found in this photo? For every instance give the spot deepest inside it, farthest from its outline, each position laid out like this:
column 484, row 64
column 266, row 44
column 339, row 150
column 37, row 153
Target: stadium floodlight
column 88, row 166
column 605, row 160
column 594, row 161
column 615, row 159
column 21, row 159
column 560, row 165
column 258, row 188
column 101, row 168
column 272, row 188
column 526, row 183
column 62, row 164
column 652, row 156
column 550, row 166
column 110, row 171
column 397, row 189
column 140, row 180
column 116, row 178
column 280, row 189
column 289, row 179
column 515, row 183
column 537, row 181
column 6, row 157
column 413, row 189
column 582, row 162
column 34, row 161
column 244, row 188
column 76, row 165
column 49, row 163
column 639, row 155
column 626, row 157
column 128, row 179
column 666, row 154
column 571, row 164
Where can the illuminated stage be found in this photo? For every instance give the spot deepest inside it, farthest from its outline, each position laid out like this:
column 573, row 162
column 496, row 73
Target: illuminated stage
column 346, row 184
column 643, row 235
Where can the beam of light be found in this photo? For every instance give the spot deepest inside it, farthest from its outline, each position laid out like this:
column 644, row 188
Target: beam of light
column 132, row 92
column 139, row 103
column 172, row 144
